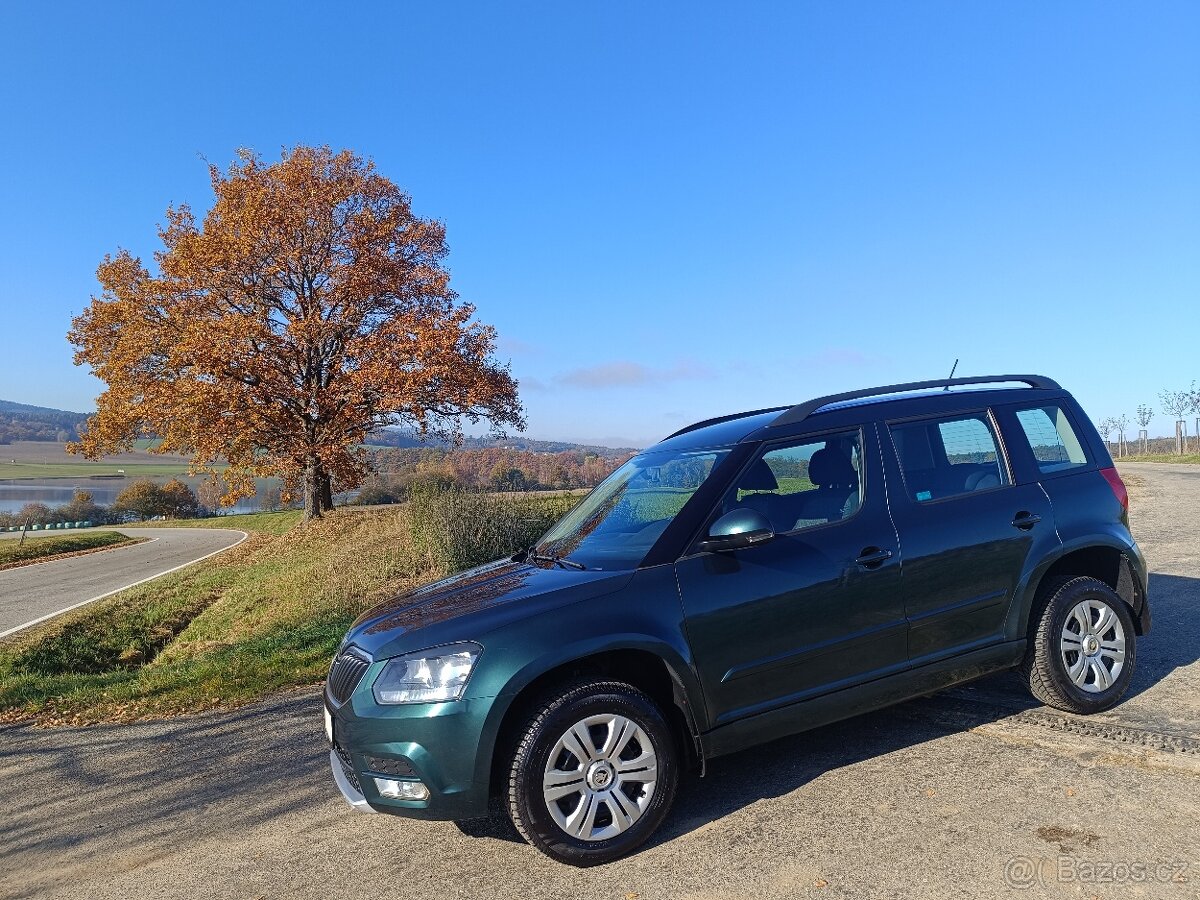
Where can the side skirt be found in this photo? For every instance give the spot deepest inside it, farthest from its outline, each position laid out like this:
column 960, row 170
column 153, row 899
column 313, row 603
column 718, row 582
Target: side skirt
column 853, row 701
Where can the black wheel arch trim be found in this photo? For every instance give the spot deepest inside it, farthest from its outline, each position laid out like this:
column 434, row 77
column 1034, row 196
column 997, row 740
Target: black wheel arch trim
column 1130, row 586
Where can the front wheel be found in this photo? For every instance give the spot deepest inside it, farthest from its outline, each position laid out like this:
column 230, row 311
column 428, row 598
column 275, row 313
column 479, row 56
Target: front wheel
column 593, row 774
column 1082, row 653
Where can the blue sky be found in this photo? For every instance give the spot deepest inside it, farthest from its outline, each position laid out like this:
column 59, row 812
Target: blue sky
column 669, row 211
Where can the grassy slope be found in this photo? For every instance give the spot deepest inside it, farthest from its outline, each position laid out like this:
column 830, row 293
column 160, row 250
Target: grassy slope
column 265, row 615
column 278, row 522
column 262, row 616
column 39, row 548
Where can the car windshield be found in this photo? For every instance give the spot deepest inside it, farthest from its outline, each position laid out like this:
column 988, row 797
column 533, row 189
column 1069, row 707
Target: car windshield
column 615, row 526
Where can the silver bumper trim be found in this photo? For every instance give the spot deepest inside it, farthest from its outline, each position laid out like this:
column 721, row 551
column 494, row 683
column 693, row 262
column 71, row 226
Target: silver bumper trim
column 351, row 796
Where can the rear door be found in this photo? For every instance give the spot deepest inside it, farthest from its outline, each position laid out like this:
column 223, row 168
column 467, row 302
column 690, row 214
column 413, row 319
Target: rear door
column 966, row 528
column 817, row 608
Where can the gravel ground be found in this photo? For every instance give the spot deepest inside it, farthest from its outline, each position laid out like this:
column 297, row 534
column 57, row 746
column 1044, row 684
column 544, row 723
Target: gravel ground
column 975, row 792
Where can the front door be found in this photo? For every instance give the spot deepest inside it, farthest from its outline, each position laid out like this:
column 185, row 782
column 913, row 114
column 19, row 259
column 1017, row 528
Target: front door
column 817, row 608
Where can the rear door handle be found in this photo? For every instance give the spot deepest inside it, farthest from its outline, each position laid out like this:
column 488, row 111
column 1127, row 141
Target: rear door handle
column 1026, row 520
column 873, row 557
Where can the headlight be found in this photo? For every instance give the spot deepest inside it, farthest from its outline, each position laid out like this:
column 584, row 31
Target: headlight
column 426, row 677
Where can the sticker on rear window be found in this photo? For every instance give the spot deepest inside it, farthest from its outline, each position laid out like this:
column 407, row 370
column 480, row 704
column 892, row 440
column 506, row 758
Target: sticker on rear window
column 924, row 495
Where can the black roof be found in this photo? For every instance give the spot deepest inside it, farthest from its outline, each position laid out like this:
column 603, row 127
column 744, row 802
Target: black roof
column 921, row 396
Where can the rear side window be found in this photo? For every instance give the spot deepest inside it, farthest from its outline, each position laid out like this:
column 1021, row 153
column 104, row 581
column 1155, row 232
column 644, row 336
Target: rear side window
column 1052, row 439
column 947, row 457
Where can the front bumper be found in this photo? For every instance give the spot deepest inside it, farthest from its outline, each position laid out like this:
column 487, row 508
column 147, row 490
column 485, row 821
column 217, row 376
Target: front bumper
column 352, row 796
column 446, row 746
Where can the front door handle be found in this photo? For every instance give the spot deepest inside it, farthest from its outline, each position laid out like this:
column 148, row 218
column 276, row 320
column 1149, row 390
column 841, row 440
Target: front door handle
column 1026, row 520
column 873, row 557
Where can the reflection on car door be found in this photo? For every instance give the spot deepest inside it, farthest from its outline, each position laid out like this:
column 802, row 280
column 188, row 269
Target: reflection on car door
column 817, row 608
column 966, row 529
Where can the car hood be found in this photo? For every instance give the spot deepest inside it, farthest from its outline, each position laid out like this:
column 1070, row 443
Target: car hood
column 466, row 606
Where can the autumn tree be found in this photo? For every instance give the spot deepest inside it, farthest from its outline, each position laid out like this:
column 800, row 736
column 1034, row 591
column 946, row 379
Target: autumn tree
column 309, row 307
column 83, row 507
column 143, row 498
column 179, row 499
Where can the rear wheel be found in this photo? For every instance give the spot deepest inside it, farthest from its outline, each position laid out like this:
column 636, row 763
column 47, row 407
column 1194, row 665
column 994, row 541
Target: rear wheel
column 594, row 773
column 1082, row 653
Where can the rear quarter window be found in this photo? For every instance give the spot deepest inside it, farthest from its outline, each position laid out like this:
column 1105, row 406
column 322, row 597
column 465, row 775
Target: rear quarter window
column 948, row 457
column 1052, row 438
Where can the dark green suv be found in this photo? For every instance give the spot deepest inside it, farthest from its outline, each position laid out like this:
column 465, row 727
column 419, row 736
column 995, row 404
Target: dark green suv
column 751, row 576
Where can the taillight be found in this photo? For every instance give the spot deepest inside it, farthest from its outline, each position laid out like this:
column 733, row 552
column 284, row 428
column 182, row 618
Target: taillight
column 1118, row 487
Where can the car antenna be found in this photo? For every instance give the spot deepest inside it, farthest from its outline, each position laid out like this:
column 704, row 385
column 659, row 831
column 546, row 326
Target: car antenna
column 951, row 375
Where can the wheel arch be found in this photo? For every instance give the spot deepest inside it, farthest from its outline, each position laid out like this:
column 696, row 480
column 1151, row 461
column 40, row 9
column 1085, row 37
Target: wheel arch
column 1103, row 558
column 650, row 666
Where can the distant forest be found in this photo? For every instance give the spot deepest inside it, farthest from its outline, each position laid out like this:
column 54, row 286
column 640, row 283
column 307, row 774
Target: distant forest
column 404, row 438
column 19, row 422
column 397, row 470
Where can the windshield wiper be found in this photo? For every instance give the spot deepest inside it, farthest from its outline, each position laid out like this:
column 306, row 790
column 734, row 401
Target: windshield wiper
column 557, row 560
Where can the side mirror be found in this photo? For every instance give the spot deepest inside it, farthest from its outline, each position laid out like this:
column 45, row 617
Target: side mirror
column 735, row 530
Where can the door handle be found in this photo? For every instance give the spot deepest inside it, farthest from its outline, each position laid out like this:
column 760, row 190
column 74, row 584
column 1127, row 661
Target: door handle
column 1026, row 520
column 873, row 557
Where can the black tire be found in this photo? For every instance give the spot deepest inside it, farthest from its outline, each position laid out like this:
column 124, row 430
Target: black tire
column 1045, row 668
column 527, row 805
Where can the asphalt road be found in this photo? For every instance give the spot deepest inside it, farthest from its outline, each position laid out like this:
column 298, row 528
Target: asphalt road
column 31, row 593
column 976, row 792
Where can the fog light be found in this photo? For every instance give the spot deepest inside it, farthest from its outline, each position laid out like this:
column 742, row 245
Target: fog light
column 401, row 790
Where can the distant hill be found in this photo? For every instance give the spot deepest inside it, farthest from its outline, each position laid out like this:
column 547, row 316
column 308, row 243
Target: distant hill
column 21, row 422
column 406, row 439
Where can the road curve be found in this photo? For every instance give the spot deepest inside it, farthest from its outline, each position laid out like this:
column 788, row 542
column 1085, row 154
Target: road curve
column 34, row 593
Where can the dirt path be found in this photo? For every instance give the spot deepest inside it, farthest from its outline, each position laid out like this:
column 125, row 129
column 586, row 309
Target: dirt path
column 972, row 793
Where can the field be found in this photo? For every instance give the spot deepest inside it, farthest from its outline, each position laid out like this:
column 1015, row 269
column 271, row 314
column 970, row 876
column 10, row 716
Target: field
column 39, row 459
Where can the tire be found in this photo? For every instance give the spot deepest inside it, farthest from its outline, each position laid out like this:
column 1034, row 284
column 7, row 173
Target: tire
column 1075, row 667
column 596, row 822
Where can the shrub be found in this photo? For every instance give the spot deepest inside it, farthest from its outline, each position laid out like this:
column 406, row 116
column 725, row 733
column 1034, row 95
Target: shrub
column 455, row 529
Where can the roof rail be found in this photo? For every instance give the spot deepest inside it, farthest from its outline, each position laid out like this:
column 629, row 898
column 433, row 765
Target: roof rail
column 802, row 411
column 716, row 421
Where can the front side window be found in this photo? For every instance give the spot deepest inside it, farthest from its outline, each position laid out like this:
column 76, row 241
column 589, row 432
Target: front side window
column 803, row 485
column 946, row 457
column 615, row 526
column 1052, row 439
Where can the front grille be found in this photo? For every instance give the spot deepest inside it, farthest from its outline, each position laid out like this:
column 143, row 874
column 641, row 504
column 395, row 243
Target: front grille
column 345, row 673
column 347, row 768
column 391, row 766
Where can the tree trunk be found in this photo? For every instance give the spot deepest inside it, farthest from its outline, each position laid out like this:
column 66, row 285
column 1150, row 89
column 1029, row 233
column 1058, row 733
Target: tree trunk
column 314, row 479
column 1179, row 438
column 326, row 492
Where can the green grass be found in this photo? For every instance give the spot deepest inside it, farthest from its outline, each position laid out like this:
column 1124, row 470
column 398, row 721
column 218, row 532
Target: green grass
column 277, row 522
column 73, row 469
column 1188, row 458
column 263, row 616
column 37, row 548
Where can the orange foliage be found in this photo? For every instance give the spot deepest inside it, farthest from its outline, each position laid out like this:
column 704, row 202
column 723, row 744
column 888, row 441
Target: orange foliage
column 310, row 307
